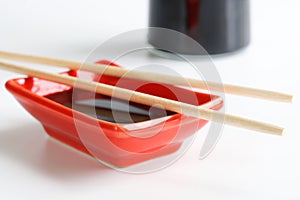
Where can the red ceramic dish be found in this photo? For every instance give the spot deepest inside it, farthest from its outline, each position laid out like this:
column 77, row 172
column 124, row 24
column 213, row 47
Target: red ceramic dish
column 116, row 144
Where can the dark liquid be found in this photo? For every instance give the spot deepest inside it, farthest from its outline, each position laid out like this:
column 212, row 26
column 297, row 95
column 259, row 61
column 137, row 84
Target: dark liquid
column 218, row 25
column 109, row 109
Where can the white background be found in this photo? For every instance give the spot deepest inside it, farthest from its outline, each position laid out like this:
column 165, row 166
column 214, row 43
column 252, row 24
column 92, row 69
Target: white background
column 244, row 165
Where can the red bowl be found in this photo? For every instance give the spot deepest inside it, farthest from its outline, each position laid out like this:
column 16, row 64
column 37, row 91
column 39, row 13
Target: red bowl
column 116, row 144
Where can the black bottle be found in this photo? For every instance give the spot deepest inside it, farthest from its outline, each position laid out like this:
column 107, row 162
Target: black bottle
column 220, row 26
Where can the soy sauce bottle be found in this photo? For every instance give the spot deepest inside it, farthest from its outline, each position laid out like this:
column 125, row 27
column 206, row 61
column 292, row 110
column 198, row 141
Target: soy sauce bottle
column 220, row 26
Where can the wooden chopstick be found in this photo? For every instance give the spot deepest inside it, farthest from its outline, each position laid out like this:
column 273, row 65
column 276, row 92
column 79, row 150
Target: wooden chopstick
column 179, row 107
column 153, row 77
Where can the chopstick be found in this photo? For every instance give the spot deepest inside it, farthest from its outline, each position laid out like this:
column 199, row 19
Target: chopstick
column 153, row 77
column 137, row 97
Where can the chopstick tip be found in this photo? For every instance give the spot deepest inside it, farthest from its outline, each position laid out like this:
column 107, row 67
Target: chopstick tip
column 281, row 132
column 287, row 98
column 291, row 99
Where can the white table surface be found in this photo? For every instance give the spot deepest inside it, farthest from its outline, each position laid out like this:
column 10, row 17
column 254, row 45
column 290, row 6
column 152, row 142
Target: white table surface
column 244, row 164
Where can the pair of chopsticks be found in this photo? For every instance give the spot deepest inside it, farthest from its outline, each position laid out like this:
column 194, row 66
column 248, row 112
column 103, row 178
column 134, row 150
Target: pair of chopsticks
column 117, row 92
